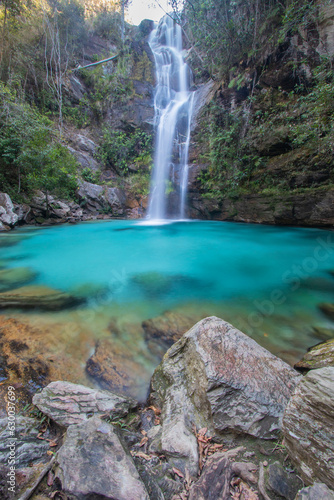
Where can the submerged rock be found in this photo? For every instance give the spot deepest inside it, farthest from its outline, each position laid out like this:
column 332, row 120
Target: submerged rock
column 217, row 377
column 15, row 276
column 167, row 328
column 323, row 333
column 318, row 356
column 94, row 464
column 36, row 296
column 68, row 403
column 153, row 283
column 327, row 309
column 308, row 427
column 31, row 358
column 111, row 367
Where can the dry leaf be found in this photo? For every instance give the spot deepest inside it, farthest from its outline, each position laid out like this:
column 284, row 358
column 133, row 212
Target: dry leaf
column 52, row 443
column 49, row 452
column 140, row 454
column 202, row 431
column 143, row 432
column 143, row 441
column 177, row 472
column 156, row 410
column 39, row 436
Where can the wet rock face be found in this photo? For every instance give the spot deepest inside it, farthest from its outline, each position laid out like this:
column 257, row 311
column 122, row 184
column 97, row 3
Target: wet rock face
column 217, row 377
column 98, row 198
column 308, row 425
column 300, row 209
column 66, row 403
column 94, row 464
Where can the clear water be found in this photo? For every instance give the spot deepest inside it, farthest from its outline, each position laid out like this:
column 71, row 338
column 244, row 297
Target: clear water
column 268, row 281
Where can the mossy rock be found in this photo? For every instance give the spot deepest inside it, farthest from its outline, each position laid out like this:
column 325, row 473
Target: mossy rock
column 153, row 283
column 9, row 240
column 89, row 290
column 15, row 276
column 36, row 297
column 318, row 356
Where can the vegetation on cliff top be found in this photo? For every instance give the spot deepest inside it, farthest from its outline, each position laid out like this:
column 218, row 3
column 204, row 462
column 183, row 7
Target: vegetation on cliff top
column 41, row 45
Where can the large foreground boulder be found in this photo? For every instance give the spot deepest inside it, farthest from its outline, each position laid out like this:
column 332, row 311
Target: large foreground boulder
column 94, row 464
column 308, row 427
column 68, row 403
column 217, row 377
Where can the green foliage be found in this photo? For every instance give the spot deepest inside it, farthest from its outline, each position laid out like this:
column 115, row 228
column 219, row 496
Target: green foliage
column 230, row 163
column 226, row 31
column 316, row 121
column 90, row 176
column 30, row 155
column 298, row 15
column 108, row 25
column 120, row 149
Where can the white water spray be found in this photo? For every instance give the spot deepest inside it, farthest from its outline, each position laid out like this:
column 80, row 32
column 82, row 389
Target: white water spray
column 173, row 106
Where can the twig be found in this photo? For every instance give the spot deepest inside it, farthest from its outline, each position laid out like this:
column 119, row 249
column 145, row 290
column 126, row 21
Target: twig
column 261, row 486
column 27, row 494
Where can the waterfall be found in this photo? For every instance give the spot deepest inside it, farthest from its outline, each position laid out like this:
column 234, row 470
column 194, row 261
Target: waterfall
column 173, row 105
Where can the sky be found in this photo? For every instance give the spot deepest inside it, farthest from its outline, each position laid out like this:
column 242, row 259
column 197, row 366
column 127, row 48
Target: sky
column 145, row 9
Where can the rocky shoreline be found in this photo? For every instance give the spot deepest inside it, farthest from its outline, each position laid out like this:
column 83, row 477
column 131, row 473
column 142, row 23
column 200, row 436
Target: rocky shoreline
column 225, row 419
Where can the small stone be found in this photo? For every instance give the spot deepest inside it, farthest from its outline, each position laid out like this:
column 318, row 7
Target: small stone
column 281, row 483
column 69, row 404
column 265, row 463
column 318, row 491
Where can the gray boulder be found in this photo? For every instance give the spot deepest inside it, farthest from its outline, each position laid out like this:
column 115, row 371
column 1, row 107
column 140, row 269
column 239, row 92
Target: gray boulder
column 68, row 403
column 102, row 197
column 7, row 214
column 94, row 464
column 308, row 427
column 318, row 491
column 217, row 377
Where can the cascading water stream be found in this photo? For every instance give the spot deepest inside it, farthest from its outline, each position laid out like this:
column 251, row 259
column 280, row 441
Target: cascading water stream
column 173, row 106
